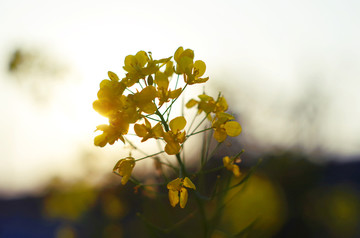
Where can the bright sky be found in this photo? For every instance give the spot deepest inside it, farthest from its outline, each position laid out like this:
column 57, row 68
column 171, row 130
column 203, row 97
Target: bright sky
column 262, row 54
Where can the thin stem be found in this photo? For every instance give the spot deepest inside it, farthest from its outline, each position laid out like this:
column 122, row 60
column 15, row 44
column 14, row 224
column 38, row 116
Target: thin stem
column 149, row 156
column 135, row 148
column 203, row 216
column 129, row 90
column 152, row 118
column 193, row 121
column 182, row 171
column 172, row 102
column 166, row 126
column 200, row 123
column 168, row 114
column 207, row 148
column 194, row 133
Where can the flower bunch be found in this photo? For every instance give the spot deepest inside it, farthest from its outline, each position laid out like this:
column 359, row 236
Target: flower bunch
column 143, row 98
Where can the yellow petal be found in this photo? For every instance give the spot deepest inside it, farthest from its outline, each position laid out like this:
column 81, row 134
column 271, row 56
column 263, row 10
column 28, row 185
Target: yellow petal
column 172, row 148
column 236, row 170
column 100, row 140
column 147, row 94
column 181, row 137
column 174, row 184
column 225, row 115
column 168, row 138
column 204, row 97
column 183, row 197
column 178, row 52
column 177, row 124
column 191, row 103
column 232, row 128
column 169, row 69
column 105, row 83
column 142, row 58
column 176, row 93
column 102, row 127
column 161, row 80
column 187, row 53
column 173, row 197
column 188, row 183
column 158, row 130
column 222, row 104
column 102, row 107
column 200, row 67
column 185, row 63
column 206, row 106
column 226, row 161
column 129, row 62
column 125, row 167
column 220, row 135
column 148, row 108
column 140, row 130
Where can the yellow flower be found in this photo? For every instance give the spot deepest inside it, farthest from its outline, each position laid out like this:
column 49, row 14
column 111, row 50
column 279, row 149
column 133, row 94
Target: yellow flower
column 175, row 137
column 163, row 93
column 108, row 94
column 124, row 168
column 197, row 71
column 208, row 104
column 135, row 66
column 145, row 130
column 223, row 127
column 229, row 165
column 144, row 99
column 110, row 134
column 185, row 65
column 140, row 65
column 184, row 60
column 178, row 192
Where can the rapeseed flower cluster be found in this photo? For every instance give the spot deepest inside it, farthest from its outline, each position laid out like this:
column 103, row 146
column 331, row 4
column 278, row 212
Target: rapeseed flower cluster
column 143, row 95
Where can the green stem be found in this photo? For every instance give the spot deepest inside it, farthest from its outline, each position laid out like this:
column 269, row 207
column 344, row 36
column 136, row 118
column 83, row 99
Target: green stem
column 203, row 216
column 182, row 171
column 200, row 123
column 166, row 126
column 168, row 114
column 172, row 102
column 149, row 156
column 194, row 133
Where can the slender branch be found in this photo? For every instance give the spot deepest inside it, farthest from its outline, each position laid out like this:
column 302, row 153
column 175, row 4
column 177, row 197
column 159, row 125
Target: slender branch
column 194, row 133
column 172, row 102
column 150, row 155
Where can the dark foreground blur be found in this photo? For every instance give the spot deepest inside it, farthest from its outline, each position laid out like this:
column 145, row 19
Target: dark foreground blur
column 288, row 196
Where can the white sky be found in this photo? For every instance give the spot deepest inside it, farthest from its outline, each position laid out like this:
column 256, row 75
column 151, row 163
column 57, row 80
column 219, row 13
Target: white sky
column 262, row 54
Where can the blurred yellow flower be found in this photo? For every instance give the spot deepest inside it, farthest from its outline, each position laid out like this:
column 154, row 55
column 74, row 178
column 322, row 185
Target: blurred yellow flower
column 177, row 186
column 229, row 165
column 110, row 134
column 110, row 90
column 141, row 65
column 135, row 66
column 163, row 93
column 144, row 99
column 223, row 127
column 175, row 137
column 186, row 66
column 208, row 105
column 197, row 71
column 124, row 168
column 146, row 131
column 184, row 60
